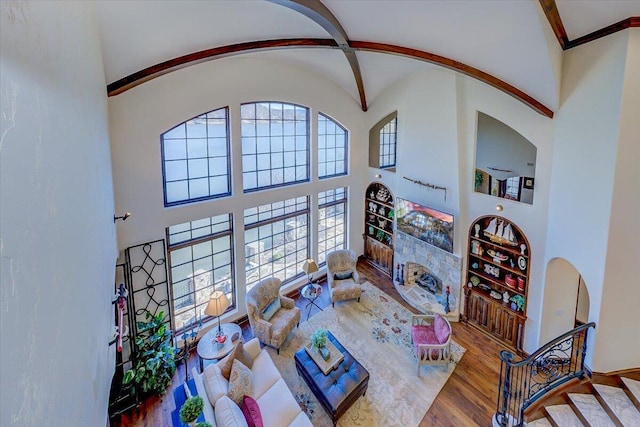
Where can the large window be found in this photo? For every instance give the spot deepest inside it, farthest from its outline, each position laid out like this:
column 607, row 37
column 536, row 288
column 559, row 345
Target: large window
column 332, row 148
column 275, row 145
column 200, row 262
column 276, row 240
column 388, row 144
column 195, row 159
column 332, row 208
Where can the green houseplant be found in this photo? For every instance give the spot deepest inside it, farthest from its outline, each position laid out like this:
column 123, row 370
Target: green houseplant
column 191, row 409
column 203, row 424
column 155, row 356
column 319, row 342
column 319, row 338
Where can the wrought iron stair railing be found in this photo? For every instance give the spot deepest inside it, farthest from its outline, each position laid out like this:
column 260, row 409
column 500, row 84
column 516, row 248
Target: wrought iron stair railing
column 524, row 382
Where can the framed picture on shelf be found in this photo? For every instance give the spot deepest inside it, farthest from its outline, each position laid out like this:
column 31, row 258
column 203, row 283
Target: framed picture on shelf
column 527, row 183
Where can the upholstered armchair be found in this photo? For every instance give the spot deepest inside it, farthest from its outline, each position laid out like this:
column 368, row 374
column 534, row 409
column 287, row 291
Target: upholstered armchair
column 342, row 276
column 431, row 338
column 271, row 315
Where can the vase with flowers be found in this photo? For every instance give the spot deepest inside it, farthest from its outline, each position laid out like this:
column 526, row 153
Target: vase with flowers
column 319, row 342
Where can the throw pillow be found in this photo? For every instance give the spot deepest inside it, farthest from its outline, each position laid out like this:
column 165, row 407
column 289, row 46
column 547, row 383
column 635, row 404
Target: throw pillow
column 240, row 382
column 228, row 414
column 441, row 329
column 251, row 412
column 239, row 353
column 214, row 383
column 271, row 309
column 343, row 275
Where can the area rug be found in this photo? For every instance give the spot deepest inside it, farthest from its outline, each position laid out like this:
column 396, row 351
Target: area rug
column 376, row 331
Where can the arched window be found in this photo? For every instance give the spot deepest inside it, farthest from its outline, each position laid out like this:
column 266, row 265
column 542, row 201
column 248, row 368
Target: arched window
column 332, row 148
column 195, row 159
column 275, row 145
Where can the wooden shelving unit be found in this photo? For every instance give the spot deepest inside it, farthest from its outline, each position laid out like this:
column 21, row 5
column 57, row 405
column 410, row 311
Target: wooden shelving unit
column 379, row 214
column 498, row 262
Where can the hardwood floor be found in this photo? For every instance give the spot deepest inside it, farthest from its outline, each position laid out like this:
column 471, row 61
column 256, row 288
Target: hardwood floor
column 468, row 398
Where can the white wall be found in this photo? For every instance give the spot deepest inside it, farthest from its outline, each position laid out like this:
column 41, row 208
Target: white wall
column 437, row 112
column 57, row 244
column 138, row 117
column 427, row 140
column 619, row 314
column 472, row 97
column 584, row 168
column 560, row 299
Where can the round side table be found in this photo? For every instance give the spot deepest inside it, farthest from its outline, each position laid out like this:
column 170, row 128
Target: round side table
column 209, row 349
column 311, row 292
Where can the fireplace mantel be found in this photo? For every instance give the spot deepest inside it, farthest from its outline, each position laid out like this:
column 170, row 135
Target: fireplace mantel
column 413, row 257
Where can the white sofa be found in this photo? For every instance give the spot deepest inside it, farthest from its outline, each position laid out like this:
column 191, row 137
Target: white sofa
column 277, row 405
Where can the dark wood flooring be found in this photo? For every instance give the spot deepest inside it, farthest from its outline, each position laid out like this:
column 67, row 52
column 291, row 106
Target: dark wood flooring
column 468, row 398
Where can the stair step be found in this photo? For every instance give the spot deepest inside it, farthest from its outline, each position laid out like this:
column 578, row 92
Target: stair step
column 619, row 404
column 542, row 422
column 633, row 386
column 591, row 410
column 564, row 416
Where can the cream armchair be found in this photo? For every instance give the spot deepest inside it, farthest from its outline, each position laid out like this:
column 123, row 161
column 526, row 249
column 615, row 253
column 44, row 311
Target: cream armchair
column 271, row 315
column 431, row 338
column 342, row 276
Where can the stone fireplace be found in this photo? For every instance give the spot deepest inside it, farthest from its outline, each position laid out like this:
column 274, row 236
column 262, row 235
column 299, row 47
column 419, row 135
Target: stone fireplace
column 423, row 273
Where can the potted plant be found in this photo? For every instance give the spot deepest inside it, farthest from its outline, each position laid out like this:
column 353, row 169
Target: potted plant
column 319, row 342
column 203, row 424
column 517, row 302
column 191, row 410
column 155, row 357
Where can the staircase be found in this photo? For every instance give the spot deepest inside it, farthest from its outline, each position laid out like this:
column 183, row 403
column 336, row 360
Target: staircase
column 614, row 404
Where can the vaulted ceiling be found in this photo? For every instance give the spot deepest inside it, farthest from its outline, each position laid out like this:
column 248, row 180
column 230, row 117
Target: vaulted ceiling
column 362, row 45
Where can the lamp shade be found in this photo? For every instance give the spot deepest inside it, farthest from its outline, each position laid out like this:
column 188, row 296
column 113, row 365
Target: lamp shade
column 218, row 304
column 309, row 266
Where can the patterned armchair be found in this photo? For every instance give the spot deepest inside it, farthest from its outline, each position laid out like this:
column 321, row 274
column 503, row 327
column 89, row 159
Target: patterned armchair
column 431, row 337
column 271, row 320
column 342, row 276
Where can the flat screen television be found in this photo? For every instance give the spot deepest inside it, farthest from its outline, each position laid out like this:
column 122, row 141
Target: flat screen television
column 430, row 225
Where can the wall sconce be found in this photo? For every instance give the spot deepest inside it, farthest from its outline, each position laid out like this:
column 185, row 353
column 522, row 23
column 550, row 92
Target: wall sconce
column 123, row 217
column 499, row 208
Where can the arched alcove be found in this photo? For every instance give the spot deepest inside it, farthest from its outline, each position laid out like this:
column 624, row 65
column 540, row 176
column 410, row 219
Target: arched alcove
column 563, row 290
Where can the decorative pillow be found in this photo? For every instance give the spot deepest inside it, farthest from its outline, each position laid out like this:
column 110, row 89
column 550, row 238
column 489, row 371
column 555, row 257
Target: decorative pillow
column 240, row 382
column 214, row 383
column 441, row 329
column 228, row 414
column 271, row 309
column 251, row 412
column 343, row 275
column 239, row 353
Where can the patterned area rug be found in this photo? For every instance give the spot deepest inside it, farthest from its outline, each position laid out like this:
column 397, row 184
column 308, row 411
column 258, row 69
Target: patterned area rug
column 376, row 332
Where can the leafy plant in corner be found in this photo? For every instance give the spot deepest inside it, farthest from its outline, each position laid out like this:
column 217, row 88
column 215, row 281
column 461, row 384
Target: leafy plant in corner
column 155, row 356
column 191, row 409
column 203, row 424
column 478, row 180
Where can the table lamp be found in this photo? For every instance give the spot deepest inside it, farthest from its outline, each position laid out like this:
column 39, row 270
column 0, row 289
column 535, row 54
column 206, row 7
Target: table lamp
column 309, row 267
column 218, row 304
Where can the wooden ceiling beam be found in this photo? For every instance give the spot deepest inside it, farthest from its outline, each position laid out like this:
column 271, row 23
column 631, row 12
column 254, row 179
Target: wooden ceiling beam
column 550, row 10
column 175, row 64
column 456, row 66
column 180, row 62
column 321, row 15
